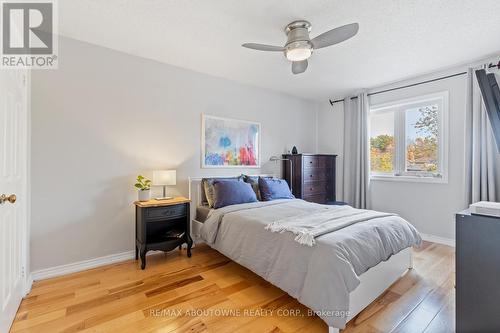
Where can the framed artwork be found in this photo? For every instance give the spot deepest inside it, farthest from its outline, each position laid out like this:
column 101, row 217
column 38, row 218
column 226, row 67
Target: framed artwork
column 229, row 143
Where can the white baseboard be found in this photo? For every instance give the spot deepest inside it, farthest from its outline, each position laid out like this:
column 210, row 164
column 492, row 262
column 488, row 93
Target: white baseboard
column 438, row 239
column 81, row 265
column 28, row 283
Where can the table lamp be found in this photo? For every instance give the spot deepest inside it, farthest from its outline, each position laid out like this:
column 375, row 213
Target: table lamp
column 164, row 178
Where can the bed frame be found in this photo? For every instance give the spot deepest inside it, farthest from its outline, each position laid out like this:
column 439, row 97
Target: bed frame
column 373, row 283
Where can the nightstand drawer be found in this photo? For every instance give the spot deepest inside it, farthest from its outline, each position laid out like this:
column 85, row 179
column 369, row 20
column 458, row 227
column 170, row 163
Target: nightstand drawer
column 158, row 213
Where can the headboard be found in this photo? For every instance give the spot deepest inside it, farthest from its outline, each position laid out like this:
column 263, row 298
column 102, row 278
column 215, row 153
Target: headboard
column 195, row 195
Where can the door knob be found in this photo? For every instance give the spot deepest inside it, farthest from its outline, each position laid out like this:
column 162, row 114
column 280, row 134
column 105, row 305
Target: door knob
column 10, row 198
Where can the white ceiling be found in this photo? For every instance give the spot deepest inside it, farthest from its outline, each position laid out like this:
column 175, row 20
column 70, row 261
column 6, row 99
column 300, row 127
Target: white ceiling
column 397, row 38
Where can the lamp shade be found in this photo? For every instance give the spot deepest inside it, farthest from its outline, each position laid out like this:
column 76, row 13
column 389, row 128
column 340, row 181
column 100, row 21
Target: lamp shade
column 164, row 177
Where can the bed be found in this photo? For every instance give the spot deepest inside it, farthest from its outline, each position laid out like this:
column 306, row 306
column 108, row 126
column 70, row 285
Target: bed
column 337, row 277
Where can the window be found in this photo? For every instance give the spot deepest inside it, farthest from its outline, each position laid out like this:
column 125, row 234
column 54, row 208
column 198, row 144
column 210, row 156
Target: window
column 382, row 144
column 408, row 139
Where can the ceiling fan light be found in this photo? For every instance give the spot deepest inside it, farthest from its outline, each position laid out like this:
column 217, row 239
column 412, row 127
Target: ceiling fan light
column 298, row 51
column 298, row 54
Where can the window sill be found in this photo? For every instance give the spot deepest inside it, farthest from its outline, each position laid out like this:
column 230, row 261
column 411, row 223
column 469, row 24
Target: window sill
column 410, row 179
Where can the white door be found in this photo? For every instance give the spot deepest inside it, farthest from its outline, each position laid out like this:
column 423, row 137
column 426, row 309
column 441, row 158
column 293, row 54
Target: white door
column 13, row 192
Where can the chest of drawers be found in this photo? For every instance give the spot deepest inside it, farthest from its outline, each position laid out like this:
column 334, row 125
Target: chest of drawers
column 311, row 176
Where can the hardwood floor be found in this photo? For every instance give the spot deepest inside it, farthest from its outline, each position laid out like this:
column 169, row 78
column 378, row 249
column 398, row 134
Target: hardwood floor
column 209, row 292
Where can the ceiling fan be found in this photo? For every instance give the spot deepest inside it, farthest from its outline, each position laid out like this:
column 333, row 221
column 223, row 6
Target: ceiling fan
column 299, row 46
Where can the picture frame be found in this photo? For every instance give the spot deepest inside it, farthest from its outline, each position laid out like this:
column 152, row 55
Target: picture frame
column 230, row 143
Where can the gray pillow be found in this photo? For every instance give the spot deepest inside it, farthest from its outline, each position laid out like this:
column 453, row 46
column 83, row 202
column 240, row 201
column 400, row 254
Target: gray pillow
column 208, row 188
column 232, row 193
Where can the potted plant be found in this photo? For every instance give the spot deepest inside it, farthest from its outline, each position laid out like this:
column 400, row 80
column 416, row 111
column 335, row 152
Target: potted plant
column 144, row 186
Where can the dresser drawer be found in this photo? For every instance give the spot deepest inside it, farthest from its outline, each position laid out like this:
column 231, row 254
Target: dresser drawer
column 325, row 162
column 317, row 198
column 315, row 188
column 315, row 174
column 311, row 161
column 158, row 213
column 318, row 162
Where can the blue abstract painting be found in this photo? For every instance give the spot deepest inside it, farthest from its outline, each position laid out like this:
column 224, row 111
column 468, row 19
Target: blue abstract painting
column 230, row 143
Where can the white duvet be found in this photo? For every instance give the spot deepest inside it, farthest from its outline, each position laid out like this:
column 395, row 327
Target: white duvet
column 320, row 276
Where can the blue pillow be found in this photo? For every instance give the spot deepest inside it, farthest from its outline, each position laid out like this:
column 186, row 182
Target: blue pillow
column 254, row 181
column 208, row 195
column 274, row 188
column 232, row 193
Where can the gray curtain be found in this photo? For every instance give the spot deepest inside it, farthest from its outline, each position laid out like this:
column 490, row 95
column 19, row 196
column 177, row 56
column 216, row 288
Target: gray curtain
column 483, row 159
column 356, row 150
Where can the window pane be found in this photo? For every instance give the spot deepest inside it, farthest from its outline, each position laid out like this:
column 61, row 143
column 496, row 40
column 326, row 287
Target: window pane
column 422, row 127
column 382, row 146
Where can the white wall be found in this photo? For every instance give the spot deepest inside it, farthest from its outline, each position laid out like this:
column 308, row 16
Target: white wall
column 330, row 136
column 430, row 207
column 104, row 116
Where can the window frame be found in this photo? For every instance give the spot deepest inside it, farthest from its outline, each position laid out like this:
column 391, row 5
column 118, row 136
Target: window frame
column 398, row 108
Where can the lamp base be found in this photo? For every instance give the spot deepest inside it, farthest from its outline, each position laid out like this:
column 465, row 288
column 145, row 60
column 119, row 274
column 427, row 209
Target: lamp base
column 164, row 198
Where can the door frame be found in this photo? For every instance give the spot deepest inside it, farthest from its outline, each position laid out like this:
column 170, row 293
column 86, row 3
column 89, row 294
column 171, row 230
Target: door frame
column 28, row 280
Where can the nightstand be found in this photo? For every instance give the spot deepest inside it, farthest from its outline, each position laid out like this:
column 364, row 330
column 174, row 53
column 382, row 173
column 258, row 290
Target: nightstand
column 161, row 225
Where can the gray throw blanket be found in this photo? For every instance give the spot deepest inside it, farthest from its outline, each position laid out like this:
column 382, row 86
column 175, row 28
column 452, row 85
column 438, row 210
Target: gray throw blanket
column 309, row 226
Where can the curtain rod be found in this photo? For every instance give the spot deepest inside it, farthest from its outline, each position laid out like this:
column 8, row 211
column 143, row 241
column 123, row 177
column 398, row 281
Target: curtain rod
column 491, row 65
column 403, row 87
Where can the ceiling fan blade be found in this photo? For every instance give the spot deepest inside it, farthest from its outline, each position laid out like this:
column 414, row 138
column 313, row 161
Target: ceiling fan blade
column 263, row 47
column 299, row 66
column 335, row 36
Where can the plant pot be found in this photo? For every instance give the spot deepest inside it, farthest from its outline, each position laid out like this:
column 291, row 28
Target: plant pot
column 144, row 195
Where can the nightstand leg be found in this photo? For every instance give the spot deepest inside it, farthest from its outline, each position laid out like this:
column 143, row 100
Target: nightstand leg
column 143, row 261
column 143, row 257
column 189, row 245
